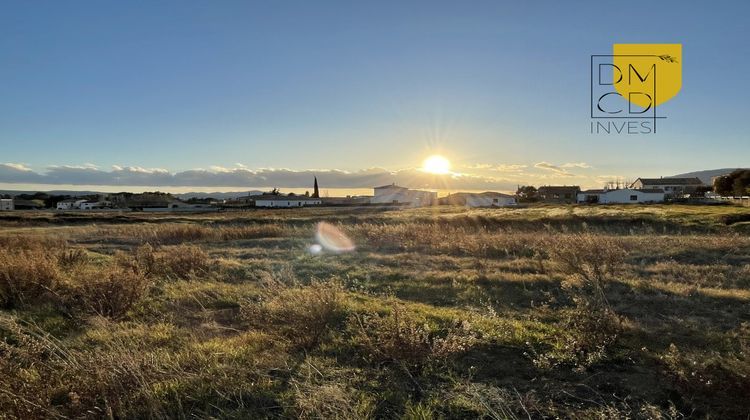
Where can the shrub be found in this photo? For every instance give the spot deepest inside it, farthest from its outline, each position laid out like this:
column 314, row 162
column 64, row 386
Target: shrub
column 26, row 274
column 180, row 261
column 108, row 291
column 303, row 315
column 28, row 358
column 582, row 338
column 183, row 261
column 72, row 258
column 400, row 337
column 591, row 259
column 324, row 389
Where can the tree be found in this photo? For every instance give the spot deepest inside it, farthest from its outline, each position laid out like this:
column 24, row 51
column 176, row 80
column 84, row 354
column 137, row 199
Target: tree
column 527, row 194
column 737, row 183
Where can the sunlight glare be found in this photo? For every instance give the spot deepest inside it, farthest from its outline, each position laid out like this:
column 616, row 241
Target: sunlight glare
column 436, row 164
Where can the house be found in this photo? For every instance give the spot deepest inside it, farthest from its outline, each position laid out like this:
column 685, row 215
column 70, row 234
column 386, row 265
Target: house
column 70, row 204
column 620, row 196
column 485, row 199
column 278, row 200
column 673, row 187
column 558, row 194
column 93, row 205
column 394, row 194
column 6, row 204
column 346, row 201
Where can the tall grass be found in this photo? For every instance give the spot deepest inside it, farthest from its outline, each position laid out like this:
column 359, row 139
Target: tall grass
column 175, row 233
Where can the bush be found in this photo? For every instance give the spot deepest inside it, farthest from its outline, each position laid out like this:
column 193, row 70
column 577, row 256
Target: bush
column 590, row 259
column 183, row 261
column 108, row 291
column 400, row 337
column 26, row 274
column 302, row 315
column 72, row 258
column 582, row 338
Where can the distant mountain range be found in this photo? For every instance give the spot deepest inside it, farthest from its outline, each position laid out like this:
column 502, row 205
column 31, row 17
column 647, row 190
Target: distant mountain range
column 705, row 176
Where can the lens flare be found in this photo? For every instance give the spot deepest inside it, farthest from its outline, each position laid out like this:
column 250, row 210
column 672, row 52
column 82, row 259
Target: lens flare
column 332, row 238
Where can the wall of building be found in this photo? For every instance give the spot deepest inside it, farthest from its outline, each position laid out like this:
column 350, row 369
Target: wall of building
column 558, row 196
column 488, row 201
column 416, row 198
column 286, row 203
column 624, row 196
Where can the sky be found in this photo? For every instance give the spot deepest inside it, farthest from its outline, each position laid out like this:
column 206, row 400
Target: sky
column 232, row 95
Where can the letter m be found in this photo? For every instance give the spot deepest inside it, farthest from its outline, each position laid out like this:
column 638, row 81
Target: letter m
column 632, row 70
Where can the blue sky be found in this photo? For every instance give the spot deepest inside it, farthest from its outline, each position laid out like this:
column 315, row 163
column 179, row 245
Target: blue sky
column 500, row 88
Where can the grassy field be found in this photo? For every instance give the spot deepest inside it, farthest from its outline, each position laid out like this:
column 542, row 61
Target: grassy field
column 570, row 311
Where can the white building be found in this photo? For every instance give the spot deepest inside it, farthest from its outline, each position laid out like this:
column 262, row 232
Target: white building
column 621, row 196
column 270, row 200
column 485, row 199
column 6, row 204
column 70, row 204
column 672, row 187
column 393, row 194
column 93, row 205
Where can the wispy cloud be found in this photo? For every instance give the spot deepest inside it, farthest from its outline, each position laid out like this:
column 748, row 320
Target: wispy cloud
column 581, row 165
column 16, row 166
column 561, row 170
column 550, row 167
column 509, row 168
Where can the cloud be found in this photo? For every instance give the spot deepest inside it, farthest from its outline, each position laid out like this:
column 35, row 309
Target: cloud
column 582, row 165
column 501, row 167
column 509, row 168
column 562, row 170
column 550, row 167
column 243, row 178
column 16, row 172
column 16, row 166
column 479, row 166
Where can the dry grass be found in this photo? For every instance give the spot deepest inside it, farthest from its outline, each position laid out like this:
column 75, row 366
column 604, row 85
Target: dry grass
column 402, row 337
column 27, row 272
column 591, row 259
column 179, row 233
column 545, row 312
column 109, row 291
column 300, row 314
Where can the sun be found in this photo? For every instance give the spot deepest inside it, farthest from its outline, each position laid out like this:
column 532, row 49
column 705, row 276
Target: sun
column 436, row 164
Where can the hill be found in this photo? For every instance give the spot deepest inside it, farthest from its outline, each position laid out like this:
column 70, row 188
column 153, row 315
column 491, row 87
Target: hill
column 705, row 176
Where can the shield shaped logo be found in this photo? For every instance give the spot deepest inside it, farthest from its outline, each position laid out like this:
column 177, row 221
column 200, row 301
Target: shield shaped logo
column 647, row 75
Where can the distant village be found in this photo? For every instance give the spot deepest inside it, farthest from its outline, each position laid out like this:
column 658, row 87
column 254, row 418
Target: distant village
column 734, row 187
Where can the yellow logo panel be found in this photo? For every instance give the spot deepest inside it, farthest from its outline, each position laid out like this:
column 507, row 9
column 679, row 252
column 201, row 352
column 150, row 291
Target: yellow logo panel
column 647, row 75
